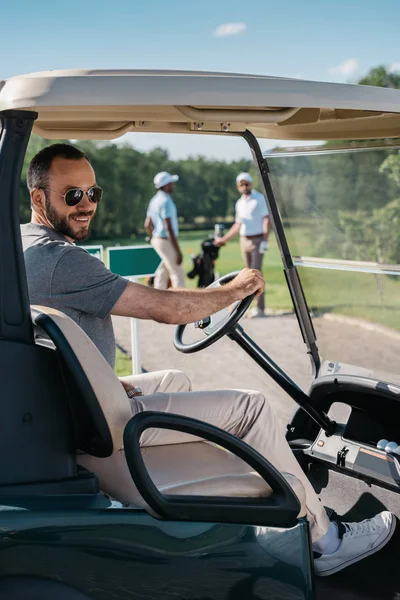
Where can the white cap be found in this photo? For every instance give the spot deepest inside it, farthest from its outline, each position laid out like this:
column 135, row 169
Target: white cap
column 164, row 178
column 244, row 177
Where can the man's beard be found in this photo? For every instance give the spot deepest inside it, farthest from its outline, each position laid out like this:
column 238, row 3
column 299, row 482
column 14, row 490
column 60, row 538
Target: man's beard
column 61, row 223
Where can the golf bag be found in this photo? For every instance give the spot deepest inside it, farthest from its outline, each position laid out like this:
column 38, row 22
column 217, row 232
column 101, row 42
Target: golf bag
column 203, row 263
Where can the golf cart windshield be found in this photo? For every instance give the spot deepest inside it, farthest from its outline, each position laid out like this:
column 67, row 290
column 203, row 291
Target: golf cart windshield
column 341, row 210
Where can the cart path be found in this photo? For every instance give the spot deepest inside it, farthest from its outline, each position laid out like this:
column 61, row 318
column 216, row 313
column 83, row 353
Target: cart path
column 225, row 365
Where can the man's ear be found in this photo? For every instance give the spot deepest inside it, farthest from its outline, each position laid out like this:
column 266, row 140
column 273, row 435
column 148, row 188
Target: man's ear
column 37, row 198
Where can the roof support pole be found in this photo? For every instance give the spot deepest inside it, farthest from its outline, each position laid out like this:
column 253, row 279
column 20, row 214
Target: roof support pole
column 15, row 318
column 37, row 451
column 291, row 274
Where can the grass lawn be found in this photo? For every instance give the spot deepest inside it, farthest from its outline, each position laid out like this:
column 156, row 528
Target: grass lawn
column 374, row 298
column 230, row 260
column 123, row 364
column 360, row 295
column 277, row 295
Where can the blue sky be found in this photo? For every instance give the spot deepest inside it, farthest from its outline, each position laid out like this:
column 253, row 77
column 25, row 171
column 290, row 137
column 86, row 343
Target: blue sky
column 334, row 40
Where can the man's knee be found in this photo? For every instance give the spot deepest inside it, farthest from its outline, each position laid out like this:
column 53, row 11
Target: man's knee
column 176, row 381
column 257, row 408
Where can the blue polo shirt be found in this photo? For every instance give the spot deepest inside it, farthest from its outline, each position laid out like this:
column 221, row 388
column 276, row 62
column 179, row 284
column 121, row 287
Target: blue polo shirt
column 162, row 207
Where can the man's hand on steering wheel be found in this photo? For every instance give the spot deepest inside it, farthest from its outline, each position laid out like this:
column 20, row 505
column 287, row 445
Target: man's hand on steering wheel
column 247, row 282
column 243, row 287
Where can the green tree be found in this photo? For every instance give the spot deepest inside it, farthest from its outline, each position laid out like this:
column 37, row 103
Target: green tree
column 381, row 77
column 391, row 166
column 366, row 235
column 206, row 191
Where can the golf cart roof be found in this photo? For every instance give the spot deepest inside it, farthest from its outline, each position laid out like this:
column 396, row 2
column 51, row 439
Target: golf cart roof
column 105, row 104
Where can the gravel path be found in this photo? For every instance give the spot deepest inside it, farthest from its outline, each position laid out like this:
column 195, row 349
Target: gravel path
column 225, row 365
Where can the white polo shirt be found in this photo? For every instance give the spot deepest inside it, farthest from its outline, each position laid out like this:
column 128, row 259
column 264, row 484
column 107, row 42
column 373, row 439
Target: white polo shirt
column 250, row 212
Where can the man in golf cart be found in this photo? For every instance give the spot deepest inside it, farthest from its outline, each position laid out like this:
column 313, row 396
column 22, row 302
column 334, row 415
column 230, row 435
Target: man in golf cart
column 64, row 198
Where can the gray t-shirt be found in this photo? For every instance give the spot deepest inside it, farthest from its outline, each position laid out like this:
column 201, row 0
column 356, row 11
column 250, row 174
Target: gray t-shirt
column 66, row 277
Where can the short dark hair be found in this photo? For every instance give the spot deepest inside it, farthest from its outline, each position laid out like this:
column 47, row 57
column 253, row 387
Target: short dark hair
column 38, row 171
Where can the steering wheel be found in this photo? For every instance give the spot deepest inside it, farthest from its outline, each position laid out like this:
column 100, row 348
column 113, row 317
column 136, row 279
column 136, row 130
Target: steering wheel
column 216, row 326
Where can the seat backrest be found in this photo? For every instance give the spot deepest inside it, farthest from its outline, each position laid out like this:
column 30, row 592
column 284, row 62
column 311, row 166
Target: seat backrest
column 99, row 404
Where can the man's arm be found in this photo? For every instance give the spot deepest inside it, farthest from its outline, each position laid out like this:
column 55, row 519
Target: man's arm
column 181, row 306
column 233, row 232
column 148, row 225
column 172, row 237
column 266, row 226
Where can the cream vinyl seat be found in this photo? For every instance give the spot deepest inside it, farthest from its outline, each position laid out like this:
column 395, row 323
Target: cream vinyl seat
column 196, row 467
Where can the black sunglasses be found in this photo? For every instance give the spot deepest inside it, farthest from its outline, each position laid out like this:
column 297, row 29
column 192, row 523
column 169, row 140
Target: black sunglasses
column 75, row 195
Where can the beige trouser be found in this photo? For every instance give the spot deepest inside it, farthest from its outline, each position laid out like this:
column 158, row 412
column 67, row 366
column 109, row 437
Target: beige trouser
column 246, row 414
column 252, row 258
column 168, row 268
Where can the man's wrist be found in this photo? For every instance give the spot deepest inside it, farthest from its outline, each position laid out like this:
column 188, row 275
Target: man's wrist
column 232, row 292
column 133, row 392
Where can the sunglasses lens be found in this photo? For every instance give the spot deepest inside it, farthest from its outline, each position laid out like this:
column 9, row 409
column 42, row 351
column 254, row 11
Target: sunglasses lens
column 95, row 194
column 73, row 197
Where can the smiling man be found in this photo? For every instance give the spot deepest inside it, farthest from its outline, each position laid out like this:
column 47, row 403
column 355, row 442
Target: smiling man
column 72, row 217
column 64, row 198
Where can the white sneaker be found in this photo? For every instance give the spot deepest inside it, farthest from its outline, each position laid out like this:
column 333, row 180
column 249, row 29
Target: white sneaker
column 359, row 540
column 255, row 313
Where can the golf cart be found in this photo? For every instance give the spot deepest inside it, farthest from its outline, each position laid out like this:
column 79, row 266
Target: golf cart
column 84, row 513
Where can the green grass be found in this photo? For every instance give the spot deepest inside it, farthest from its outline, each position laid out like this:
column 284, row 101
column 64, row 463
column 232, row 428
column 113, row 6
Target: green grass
column 123, row 364
column 277, row 295
column 230, row 260
column 359, row 295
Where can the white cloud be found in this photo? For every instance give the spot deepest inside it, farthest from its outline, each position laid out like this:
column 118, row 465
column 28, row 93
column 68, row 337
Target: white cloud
column 394, row 68
column 227, row 29
column 347, row 68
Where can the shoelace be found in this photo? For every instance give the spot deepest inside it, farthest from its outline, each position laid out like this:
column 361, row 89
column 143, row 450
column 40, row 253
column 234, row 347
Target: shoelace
column 362, row 528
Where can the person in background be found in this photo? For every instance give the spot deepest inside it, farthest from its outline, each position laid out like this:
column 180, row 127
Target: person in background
column 252, row 223
column 162, row 224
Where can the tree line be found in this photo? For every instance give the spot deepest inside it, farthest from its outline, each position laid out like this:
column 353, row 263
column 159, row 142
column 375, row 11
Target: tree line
column 351, row 199
column 206, row 192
